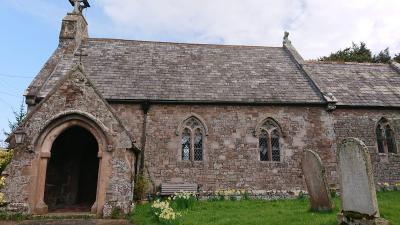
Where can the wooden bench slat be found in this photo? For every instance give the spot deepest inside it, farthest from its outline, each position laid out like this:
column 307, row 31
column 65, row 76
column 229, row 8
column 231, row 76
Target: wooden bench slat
column 169, row 189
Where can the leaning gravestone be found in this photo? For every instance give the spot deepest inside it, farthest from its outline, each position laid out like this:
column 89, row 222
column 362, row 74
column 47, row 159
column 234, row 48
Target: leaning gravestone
column 314, row 174
column 359, row 203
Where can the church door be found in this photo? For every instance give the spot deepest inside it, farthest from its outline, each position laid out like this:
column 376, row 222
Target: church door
column 72, row 172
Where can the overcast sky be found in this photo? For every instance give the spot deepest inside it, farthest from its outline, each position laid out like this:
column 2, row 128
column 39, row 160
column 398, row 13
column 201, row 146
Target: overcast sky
column 317, row 27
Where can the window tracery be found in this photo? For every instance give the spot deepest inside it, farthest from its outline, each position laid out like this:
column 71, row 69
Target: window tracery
column 385, row 137
column 192, row 140
column 269, row 141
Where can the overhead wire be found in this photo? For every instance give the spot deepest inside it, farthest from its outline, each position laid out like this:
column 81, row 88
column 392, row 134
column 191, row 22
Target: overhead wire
column 15, row 76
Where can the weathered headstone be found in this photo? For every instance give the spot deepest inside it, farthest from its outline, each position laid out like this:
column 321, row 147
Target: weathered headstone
column 314, row 174
column 358, row 195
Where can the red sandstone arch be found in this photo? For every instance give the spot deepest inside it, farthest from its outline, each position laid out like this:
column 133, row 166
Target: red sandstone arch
column 43, row 145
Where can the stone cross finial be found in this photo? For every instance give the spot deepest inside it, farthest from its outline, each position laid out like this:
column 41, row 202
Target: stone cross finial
column 79, row 5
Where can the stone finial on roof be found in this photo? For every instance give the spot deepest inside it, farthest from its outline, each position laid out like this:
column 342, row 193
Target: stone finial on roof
column 79, row 5
column 287, row 44
column 286, row 38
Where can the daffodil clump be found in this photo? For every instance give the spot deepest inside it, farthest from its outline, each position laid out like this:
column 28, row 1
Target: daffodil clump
column 184, row 200
column 231, row 194
column 388, row 187
column 165, row 213
column 397, row 185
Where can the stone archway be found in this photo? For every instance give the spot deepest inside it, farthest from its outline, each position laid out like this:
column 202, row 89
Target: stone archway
column 48, row 145
column 72, row 170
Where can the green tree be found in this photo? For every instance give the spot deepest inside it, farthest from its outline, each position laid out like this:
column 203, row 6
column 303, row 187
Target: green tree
column 19, row 117
column 355, row 53
column 382, row 57
column 360, row 53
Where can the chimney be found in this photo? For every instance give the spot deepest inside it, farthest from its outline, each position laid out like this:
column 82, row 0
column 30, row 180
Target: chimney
column 74, row 25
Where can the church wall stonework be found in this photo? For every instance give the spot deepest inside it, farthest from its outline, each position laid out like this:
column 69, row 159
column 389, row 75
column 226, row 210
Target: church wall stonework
column 231, row 155
column 231, row 149
column 361, row 124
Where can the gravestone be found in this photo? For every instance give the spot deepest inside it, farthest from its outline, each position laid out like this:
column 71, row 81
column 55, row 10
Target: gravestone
column 314, row 174
column 358, row 195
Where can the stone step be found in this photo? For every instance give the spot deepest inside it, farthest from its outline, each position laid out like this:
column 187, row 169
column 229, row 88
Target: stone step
column 67, row 222
column 58, row 216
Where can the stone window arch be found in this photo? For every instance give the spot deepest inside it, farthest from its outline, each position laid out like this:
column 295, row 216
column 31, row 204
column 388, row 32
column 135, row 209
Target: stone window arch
column 385, row 137
column 269, row 140
column 192, row 133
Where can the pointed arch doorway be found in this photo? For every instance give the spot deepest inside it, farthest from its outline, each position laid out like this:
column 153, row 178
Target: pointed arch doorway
column 72, row 172
column 72, row 167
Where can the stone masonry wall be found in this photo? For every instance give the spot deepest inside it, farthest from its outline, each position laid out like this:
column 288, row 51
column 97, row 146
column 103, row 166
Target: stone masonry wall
column 231, row 155
column 361, row 123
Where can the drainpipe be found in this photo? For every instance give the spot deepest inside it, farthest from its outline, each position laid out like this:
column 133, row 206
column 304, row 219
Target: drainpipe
column 140, row 161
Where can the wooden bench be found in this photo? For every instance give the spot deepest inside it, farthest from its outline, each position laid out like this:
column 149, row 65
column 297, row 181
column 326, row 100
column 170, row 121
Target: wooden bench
column 170, row 189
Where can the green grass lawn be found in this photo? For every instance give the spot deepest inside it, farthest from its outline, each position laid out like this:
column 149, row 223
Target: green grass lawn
column 256, row 212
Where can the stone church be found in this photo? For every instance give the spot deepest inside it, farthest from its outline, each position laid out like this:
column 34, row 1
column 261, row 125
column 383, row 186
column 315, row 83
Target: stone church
column 219, row 116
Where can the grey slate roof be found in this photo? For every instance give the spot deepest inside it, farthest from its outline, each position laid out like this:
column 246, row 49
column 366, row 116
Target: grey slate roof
column 357, row 84
column 139, row 70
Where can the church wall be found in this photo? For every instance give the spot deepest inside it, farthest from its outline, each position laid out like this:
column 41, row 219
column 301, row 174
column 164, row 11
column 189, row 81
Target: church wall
column 231, row 155
column 361, row 123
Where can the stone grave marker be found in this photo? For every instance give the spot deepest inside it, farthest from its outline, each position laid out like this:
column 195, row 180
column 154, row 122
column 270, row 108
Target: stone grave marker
column 358, row 195
column 314, row 174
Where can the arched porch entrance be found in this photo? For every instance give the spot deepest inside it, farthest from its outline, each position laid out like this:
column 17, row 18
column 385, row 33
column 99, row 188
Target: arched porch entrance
column 72, row 167
column 72, row 170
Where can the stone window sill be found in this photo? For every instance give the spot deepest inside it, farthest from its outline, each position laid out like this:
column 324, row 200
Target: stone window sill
column 191, row 162
column 271, row 162
column 387, row 154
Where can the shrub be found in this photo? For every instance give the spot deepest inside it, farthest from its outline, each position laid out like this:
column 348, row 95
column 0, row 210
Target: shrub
column 333, row 192
column 116, row 213
column 2, row 196
column 5, row 158
column 141, row 187
column 13, row 216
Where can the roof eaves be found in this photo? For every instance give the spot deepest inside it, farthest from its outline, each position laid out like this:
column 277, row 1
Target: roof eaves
column 367, row 106
column 208, row 102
